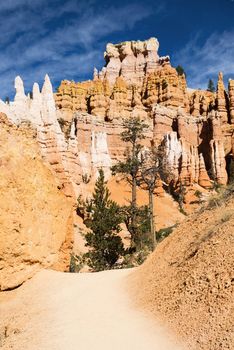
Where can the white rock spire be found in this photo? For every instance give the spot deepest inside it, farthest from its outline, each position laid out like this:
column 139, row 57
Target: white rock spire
column 19, row 87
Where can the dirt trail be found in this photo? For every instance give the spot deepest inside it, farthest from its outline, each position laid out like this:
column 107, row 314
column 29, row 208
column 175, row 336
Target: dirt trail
column 78, row 311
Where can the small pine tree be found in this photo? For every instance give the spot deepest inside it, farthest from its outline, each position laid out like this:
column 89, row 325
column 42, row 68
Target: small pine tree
column 211, row 86
column 153, row 169
column 104, row 219
column 180, row 70
column 134, row 132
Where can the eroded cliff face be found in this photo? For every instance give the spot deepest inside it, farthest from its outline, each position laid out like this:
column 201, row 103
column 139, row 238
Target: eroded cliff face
column 77, row 131
column 79, row 127
column 35, row 216
column 196, row 127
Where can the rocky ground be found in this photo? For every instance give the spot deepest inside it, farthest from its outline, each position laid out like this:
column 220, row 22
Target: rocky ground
column 60, row 311
column 189, row 279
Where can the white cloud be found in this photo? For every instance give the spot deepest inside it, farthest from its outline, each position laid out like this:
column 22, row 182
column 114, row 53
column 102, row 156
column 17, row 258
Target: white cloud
column 11, row 5
column 65, row 40
column 202, row 61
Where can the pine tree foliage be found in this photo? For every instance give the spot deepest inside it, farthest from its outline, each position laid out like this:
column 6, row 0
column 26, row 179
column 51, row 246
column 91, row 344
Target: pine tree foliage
column 134, row 132
column 129, row 168
column 180, row 70
column 139, row 228
column 154, row 168
column 211, row 86
column 104, row 219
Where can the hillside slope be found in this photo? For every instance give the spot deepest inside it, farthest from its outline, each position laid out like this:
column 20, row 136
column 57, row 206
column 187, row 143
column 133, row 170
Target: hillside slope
column 35, row 217
column 188, row 281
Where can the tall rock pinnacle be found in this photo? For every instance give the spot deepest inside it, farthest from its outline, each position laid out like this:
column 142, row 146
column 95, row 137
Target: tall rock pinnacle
column 19, row 87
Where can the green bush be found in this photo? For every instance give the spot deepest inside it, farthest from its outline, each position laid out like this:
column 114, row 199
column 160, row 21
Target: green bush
column 77, row 262
column 221, row 196
column 135, row 259
column 165, row 232
column 180, row 70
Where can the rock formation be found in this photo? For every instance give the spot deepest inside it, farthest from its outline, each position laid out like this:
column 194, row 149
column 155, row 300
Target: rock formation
column 35, row 217
column 78, row 128
column 78, row 131
column 134, row 72
column 194, row 146
column 131, row 60
column 231, row 100
column 165, row 86
column 222, row 100
column 203, row 179
column 41, row 113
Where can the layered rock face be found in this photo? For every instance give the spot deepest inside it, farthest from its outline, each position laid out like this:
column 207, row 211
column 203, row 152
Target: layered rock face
column 78, row 131
column 131, row 60
column 195, row 126
column 78, row 128
column 35, row 216
column 194, row 146
column 57, row 149
column 134, row 78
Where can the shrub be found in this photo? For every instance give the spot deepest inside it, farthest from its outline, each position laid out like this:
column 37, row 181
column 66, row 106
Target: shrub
column 77, row 262
column 165, row 232
column 223, row 194
column 180, row 70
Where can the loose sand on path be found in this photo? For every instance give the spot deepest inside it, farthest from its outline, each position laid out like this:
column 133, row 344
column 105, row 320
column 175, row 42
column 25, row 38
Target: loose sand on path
column 65, row 311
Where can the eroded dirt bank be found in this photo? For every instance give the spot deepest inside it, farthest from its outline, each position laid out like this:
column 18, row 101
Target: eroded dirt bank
column 189, row 280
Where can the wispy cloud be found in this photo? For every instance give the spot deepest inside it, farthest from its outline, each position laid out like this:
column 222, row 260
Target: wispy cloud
column 14, row 4
column 62, row 38
column 202, row 61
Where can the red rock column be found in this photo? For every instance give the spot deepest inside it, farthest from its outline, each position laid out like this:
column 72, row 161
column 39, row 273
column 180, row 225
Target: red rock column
column 231, row 100
column 221, row 98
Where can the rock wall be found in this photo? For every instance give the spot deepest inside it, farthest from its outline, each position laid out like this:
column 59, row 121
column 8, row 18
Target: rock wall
column 58, row 150
column 194, row 146
column 35, row 216
column 137, row 82
column 133, row 80
column 74, row 149
column 78, row 128
column 78, row 131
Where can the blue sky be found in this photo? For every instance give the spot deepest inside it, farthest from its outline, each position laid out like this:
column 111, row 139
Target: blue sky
column 67, row 38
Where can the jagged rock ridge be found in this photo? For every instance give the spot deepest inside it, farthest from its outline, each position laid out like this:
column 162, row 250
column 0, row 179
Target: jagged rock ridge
column 79, row 127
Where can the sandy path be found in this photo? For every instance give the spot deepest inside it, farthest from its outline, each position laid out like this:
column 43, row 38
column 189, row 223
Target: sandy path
column 79, row 312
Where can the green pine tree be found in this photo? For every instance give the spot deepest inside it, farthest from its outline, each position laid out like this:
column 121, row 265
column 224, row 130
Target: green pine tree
column 154, row 168
column 130, row 167
column 211, row 86
column 180, row 70
column 104, row 219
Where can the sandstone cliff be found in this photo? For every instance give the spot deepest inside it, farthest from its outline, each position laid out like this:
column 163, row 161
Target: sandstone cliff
column 196, row 127
column 78, row 127
column 35, row 216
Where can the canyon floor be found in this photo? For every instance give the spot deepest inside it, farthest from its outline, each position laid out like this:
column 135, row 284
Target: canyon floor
column 56, row 310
